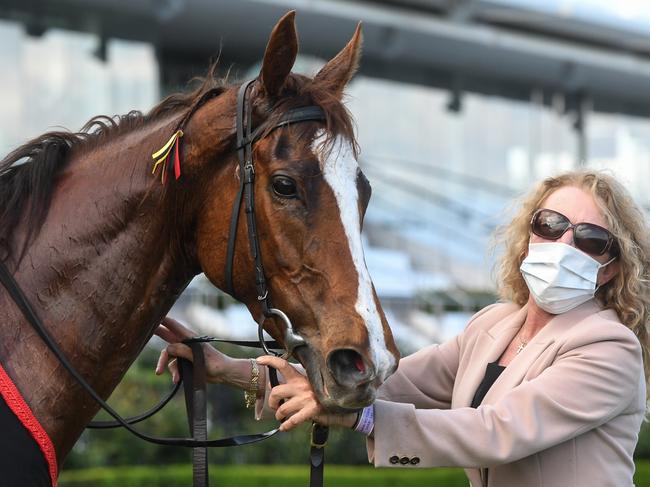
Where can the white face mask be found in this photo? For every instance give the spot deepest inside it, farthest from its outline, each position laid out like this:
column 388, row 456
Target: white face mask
column 559, row 276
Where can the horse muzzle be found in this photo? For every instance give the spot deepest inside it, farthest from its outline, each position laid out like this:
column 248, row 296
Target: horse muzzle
column 337, row 381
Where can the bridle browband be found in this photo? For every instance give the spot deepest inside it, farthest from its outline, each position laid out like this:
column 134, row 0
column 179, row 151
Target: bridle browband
column 195, row 391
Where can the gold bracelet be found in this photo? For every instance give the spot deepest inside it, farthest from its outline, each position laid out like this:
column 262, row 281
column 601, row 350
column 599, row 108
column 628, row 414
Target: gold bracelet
column 250, row 395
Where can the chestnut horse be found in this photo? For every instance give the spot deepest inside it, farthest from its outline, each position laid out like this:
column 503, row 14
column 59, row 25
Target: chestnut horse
column 102, row 249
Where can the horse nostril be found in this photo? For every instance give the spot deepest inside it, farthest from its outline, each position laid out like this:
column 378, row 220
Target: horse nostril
column 348, row 367
column 358, row 363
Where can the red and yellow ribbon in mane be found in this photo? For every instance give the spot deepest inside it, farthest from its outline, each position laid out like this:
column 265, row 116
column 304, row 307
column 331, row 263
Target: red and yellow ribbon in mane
column 164, row 156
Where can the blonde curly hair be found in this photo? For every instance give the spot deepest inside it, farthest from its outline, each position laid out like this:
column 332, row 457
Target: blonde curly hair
column 628, row 293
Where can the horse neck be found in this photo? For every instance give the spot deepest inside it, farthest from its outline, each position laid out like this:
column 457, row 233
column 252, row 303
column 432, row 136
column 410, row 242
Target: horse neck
column 101, row 274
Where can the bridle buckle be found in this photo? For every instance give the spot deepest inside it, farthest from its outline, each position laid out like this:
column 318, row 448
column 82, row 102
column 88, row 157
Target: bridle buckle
column 319, row 435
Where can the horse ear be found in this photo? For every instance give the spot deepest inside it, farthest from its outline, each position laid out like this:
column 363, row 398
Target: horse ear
column 339, row 71
column 280, row 54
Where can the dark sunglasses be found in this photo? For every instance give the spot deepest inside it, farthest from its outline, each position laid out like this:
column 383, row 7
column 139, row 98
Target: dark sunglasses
column 588, row 237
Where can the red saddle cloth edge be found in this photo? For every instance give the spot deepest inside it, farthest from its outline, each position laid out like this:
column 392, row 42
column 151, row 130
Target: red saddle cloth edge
column 17, row 404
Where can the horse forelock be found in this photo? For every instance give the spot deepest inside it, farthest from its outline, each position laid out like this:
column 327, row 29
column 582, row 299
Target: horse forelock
column 300, row 91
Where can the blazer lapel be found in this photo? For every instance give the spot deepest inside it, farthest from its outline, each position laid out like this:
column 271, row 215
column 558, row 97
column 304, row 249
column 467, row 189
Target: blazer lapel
column 514, row 373
column 488, row 347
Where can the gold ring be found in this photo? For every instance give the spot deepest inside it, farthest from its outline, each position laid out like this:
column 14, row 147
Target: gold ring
column 171, row 362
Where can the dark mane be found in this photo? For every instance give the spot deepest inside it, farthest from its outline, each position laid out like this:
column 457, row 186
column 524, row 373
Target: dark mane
column 28, row 174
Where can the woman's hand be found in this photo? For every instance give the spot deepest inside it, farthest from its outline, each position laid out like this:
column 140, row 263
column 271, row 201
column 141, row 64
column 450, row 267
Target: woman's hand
column 295, row 401
column 172, row 331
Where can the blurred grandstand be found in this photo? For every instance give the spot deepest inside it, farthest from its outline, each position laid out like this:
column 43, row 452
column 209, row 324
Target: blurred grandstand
column 460, row 106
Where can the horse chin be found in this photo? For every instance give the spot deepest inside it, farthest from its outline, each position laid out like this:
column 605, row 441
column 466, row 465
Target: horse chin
column 332, row 396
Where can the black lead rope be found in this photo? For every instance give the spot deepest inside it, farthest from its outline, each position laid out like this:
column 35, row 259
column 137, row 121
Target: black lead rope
column 270, row 344
column 319, row 434
column 196, row 405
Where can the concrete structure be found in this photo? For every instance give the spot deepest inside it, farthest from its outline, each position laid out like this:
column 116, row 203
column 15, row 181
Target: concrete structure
column 511, row 48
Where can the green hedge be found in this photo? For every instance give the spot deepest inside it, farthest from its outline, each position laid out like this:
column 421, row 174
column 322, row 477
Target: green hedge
column 259, row 476
column 274, row 475
column 642, row 475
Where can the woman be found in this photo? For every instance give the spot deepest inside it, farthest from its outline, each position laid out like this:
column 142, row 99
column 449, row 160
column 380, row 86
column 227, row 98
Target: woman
column 545, row 389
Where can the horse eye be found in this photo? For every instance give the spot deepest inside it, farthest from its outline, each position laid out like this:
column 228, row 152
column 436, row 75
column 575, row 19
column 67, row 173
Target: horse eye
column 284, row 186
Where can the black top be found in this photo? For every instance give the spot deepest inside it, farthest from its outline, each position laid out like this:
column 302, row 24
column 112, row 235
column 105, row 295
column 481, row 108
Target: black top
column 492, row 373
column 21, row 460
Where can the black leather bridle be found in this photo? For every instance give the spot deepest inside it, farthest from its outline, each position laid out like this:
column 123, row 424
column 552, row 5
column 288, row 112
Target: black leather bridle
column 245, row 140
column 194, row 375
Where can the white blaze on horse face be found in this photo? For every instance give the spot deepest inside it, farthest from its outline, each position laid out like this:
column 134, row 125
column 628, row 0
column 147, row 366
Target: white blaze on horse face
column 340, row 171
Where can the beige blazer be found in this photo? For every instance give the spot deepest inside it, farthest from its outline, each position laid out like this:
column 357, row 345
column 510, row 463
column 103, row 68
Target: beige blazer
column 565, row 412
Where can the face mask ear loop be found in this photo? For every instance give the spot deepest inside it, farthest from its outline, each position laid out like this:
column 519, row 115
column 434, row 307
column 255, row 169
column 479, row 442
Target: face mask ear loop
column 607, row 263
column 600, row 267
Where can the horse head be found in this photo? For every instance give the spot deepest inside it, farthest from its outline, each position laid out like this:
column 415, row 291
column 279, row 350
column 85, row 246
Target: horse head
column 310, row 201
